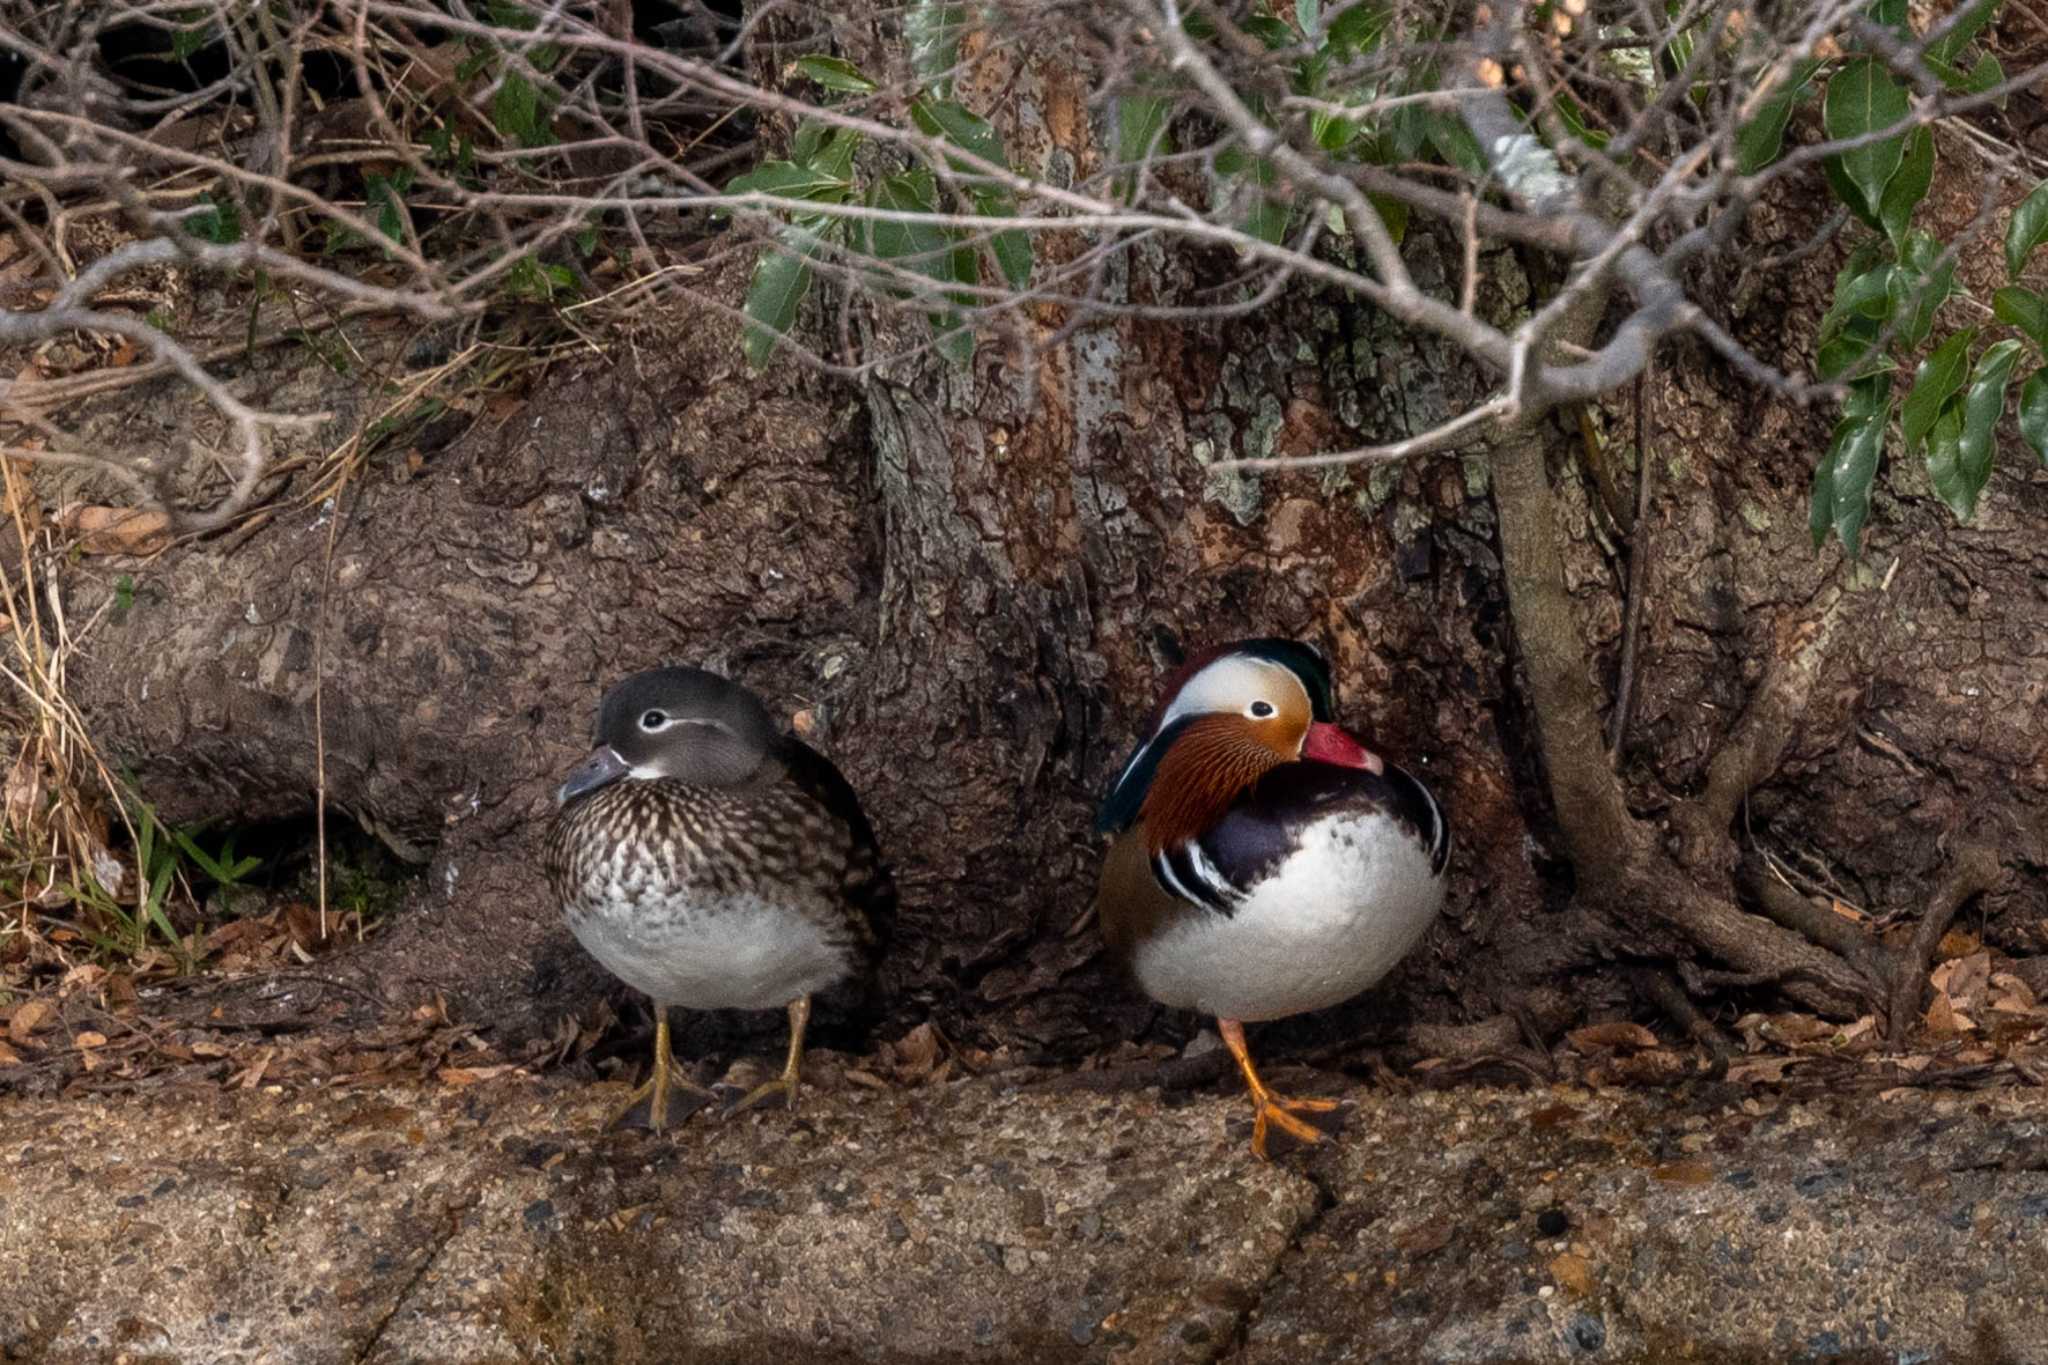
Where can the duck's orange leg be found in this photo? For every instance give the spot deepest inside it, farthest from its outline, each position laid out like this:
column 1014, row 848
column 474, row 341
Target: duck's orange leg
column 1267, row 1107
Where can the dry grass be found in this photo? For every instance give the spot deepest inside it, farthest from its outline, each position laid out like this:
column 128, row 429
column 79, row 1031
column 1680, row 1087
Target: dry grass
column 54, row 807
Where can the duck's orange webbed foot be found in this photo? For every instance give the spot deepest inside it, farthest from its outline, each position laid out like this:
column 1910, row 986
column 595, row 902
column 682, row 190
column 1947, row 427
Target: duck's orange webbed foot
column 1268, row 1109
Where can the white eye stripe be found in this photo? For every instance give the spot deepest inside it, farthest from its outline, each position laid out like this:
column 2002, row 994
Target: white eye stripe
column 1224, row 685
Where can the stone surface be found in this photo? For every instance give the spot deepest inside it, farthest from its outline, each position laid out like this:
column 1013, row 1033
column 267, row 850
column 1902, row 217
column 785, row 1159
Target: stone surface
column 1482, row 1226
column 497, row 1223
column 983, row 1221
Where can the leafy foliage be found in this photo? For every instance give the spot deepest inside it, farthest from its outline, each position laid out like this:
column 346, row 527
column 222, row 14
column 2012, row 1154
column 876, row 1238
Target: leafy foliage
column 905, row 248
column 1890, row 295
column 1360, row 78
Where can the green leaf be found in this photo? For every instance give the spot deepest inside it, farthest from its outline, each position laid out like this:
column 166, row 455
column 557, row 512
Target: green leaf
column 1904, row 191
column 932, row 29
column 834, row 73
column 963, row 128
column 1394, row 213
column 187, row 42
column 834, row 159
column 1861, row 98
column 1307, row 13
column 1760, row 140
column 1454, row 142
column 1948, row 49
column 1923, row 282
column 1983, row 76
column 1575, row 122
column 1847, row 193
column 972, row 133
column 1944, row 463
column 922, row 246
column 1332, row 132
column 386, row 193
column 529, row 279
column 955, row 341
column 1983, row 405
column 1851, row 464
column 1890, row 13
column 787, row 180
column 2034, row 412
column 220, row 223
column 927, row 248
column 1359, row 28
column 516, row 112
column 1850, row 354
column 782, row 276
column 1274, row 33
column 2027, row 230
column 1268, row 221
column 1140, row 124
column 1013, row 250
column 2018, row 306
column 1937, row 379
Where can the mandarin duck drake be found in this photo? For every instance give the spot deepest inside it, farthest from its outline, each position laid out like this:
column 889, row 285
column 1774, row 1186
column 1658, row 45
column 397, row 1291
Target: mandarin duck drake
column 1264, row 862
column 711, row 861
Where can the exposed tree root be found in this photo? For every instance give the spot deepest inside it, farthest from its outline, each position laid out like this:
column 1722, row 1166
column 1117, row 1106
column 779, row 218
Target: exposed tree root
column 1685, row 876
column 1665, row 991
column 1975, row 870
column 1175, row 1073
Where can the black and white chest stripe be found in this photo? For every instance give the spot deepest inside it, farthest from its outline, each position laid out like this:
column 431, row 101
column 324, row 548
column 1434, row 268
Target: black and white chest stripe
column 1221, row 867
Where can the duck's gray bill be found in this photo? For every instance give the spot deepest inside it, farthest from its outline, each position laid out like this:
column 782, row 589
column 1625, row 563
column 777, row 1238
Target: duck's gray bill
column 604, row 766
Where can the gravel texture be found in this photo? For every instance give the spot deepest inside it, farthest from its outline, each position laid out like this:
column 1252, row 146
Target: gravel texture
column 980, row 1221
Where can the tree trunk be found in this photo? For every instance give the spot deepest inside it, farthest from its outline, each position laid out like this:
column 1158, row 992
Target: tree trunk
column 968, row 584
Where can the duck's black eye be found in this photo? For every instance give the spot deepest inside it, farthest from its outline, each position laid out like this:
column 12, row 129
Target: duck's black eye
column 653, row 720
column 1262, row 709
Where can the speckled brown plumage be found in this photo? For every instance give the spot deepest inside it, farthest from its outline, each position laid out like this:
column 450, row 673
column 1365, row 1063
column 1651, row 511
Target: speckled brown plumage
column 712, row 862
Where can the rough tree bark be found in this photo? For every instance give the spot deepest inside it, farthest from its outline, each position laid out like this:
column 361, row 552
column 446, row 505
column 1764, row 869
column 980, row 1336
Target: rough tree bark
column 969, row 583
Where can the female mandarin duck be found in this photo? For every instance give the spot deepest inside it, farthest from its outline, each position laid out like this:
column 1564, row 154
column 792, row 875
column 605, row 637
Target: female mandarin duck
column 1265, row 863
column 713, row 862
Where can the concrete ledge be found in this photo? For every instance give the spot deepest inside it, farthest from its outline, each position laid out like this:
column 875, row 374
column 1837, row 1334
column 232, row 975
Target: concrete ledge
column 984, row 1222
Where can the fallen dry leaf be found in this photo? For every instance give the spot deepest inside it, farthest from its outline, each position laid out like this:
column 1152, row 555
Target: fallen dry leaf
column 1425, row 1239
column 117, row 530
column 8, row 1056
column 1957, row 943
column 29, row 1016
column 1968, row 979
column 470, row 1075
column 89, row 1038
column 1766, row 1069
column 1574, row 1274
column 1614, row 1034
column 1651, row 1067
column 1943, row 1018
column 1684, row 1173
column 917, row 1052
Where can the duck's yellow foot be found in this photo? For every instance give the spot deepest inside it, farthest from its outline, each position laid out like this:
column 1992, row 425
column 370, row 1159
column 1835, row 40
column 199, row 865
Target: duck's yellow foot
column 662, row 1091
column 661, row 1103
column 785, row 1084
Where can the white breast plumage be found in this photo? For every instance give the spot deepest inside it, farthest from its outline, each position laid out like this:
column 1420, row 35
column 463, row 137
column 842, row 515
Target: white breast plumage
column 1331, row 920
